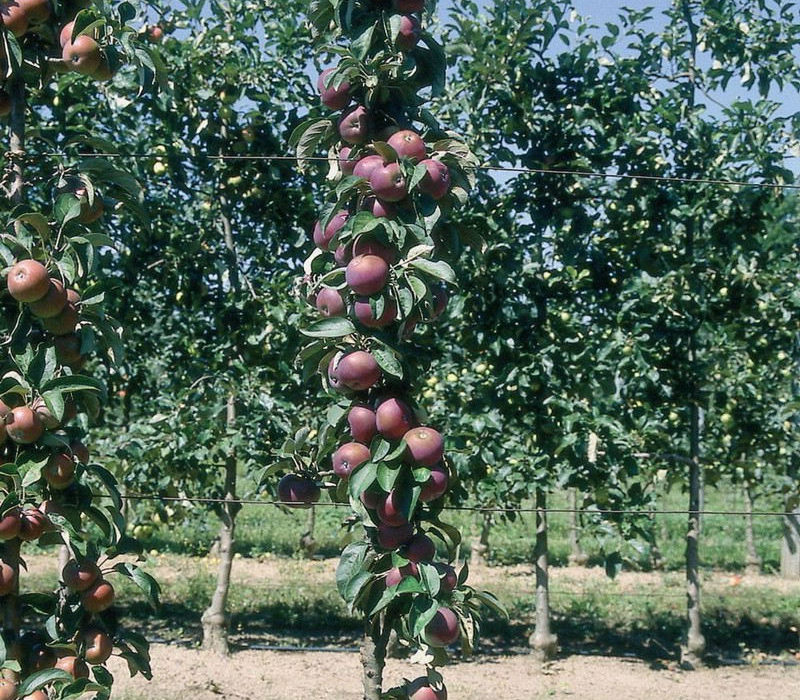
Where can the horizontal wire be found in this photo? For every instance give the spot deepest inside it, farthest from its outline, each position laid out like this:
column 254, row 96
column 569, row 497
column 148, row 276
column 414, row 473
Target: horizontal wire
column 476, row 509
column 493, row 168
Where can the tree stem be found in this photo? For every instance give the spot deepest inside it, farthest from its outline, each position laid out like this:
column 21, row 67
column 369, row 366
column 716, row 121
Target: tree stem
column 576, row 557
column 543, row 641
column 752, row 560
column 373, row 655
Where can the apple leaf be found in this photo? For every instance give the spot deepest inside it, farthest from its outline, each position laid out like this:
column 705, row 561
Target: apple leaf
column 330, row 328
column 435, row 268
column 388, row 362
column 40, row 679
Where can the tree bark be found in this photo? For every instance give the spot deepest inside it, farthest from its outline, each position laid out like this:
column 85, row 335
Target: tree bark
column 695, row 646
column 790, row 545
column 576, row 557
column 373, row 655
column 752, row 560
column 479, row 555
column 308, row 545
column 543, row 641
column 216, row 618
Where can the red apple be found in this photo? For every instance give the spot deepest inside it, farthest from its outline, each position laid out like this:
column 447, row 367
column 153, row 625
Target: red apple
column 436, row 485
column 23, row 425
column 443, row 629
column 420, row 548
column 82, row 55
column 365, row 245
column 65, row 36
column 38, row 11
column 370, row 499
column 348, row 458
column 379, row 209
column 361, row 420
column 65, row 322
column 79, row 576
column 366, row 274
column 362, row 309
column 68, row 349
column 10, row 524
column 354, row 126
column 343, row 254
column 329, row 302
column 80, row 452
column 28, row 281
column 298, row 491
column 97, row 646
column 409, row 33
column 33, row 524
column 425, row 446
column 408, row 144
column 390, row 537
column 345, row 164
column 420, row 689
column 436, row 181
column 323, row 239
column 155, row 34
column 8, row 578
column 394, row 418
column 389, row 183
column 365, row 166
column 440, row 299
column 358, row 370
column 333, row 97
column 99, row 597
column 59, row 472
column 8, row 689
column 448, row 576
column 73, row 665
column 52, row 303
column 15, row 18
column 390, row 509
column 48, row 420
column 396, row 575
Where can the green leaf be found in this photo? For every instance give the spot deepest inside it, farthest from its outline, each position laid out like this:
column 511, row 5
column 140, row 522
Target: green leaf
column 388, row 361
column 387, row 476
column 330, row 328
column 40, row 679
column 362, row 478
column 438, row 269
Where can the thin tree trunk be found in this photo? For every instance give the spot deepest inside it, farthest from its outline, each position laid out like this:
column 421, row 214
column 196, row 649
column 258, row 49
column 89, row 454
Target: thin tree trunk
column 694, row 649
column 543, row 641
column 308, row 545
column 790, row 545
column 656, row 558
column 577, row 557
column 373, row 655
column 479, row 555
column 11, row 618
column 752, row 560
column 215, row 619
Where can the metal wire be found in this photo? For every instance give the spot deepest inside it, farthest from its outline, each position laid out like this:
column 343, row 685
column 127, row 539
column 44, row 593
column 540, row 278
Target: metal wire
column 475, row 509
column 494, row 168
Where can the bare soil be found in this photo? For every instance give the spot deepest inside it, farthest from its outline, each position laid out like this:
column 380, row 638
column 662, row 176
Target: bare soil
column 269, row 675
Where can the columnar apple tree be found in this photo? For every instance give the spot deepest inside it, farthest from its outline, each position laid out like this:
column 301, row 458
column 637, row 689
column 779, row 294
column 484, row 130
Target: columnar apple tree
column 54, row 643
column 376, row 279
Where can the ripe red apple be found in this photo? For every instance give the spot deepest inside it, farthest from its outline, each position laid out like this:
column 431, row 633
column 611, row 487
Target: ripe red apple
column 23, row 425
column 8, row 689
column 297, row 491
column 396, row 575
column 343, row 254
column 323, row 239
column 380, row 209
column 443, row 629
column 333, row 374
column 361, row 420
column 36, row 695
column 389, row 183
column 348, row 458
column 33, row 524
column 390, row 509
column 38, row 11
column 420, row 548
column 73, row 297
column 99, row 597
column 354, row 126
column 65, row 36
column 48, row 420
column 80, row 452
column 436, row 485
column 333, row 97
column 40, row 656
column 362, row 310
column 448, row 576
column 329, row 302
column 440, row 299
column 345, row 163
column 68, row 348
column 365, row 166
column 391, row 537
column 155, row 34
column 82, row 55
column 358, row 370
column 365, row 245
column 8, row 578
column 14, row 18
column 408, row 5
column 90, row 212
column 79, row 576
column 409, row 33
column 425, row 446
column 28, row 281
column 97, row 646
column 436, row 181
column 52, row 303
column 370, row 499
column 394, row 418
column 65, row 323
column 366, row 274
column 420, row 689
column 10, row 524
column 408, row 144
column 73, row 665
column 59, row 471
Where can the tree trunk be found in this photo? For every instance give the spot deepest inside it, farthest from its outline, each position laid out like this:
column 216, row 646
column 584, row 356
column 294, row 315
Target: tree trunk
column 308, row 545
column 479, row 556
column 577, row 557
column 656, row 531
column 790, row 546
column 373, row 655
column 544, row 643
column 694, row 649
column 215, row 619
column 752, row 560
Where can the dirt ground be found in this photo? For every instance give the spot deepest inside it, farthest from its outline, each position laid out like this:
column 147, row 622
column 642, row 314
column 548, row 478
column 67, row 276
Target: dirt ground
column 269, row 675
